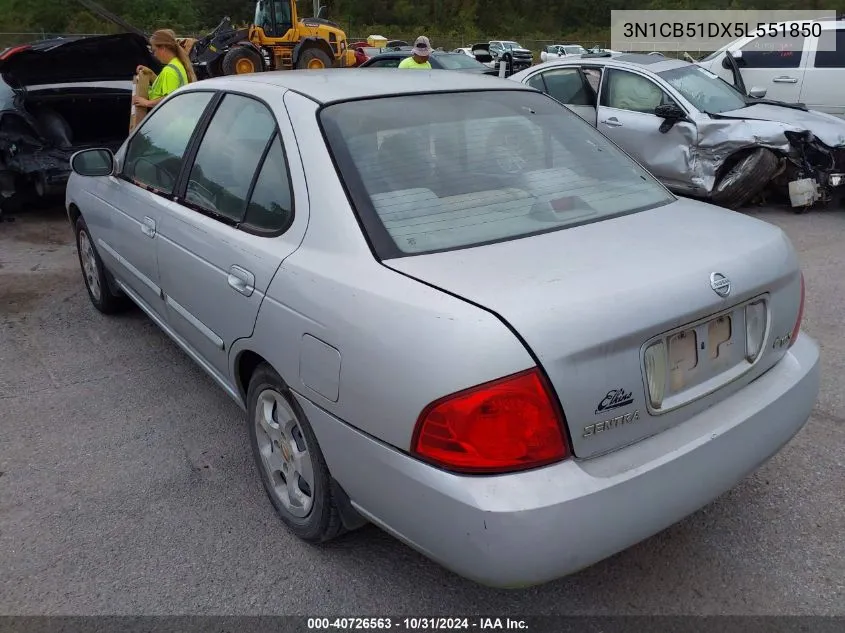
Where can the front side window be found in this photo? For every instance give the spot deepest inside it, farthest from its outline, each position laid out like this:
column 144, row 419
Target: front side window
column 628, row 91
column 830, row 52
column 772, row 52
column 706, row 91
column 228, row 157
column 154, row 155
column 443, row 171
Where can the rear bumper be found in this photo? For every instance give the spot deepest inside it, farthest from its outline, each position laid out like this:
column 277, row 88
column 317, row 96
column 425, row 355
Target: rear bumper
column 529, row 528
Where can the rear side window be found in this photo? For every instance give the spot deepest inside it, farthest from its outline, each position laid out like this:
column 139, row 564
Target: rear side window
column 229, row 155
column 438, row 172
column 567, row 86
column 154, row 155
column 772, row 52
column 270, row 207
column 392, row 62
column 826, row 56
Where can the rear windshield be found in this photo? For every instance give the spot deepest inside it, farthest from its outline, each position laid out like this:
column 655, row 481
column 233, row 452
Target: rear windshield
column 437, row 172
column 457, row 61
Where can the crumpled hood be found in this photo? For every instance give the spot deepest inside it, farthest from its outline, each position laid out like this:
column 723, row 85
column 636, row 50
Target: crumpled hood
column 829, row 129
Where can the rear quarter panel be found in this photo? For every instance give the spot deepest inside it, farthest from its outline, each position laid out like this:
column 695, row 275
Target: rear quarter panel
column 399, row 343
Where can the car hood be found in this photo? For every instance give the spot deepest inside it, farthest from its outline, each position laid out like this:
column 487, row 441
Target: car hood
column 84, row 59
column 829, row 129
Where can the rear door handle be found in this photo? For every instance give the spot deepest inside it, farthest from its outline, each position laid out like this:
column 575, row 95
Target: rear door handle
column 612, row 122
column 148, row 227
column 241, row 280
column 785, row 80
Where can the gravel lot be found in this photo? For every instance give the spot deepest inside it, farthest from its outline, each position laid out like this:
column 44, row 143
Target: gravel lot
column 127, row 486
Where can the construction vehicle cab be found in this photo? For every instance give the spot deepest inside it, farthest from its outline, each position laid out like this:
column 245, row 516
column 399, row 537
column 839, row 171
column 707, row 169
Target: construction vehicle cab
column 276, row 40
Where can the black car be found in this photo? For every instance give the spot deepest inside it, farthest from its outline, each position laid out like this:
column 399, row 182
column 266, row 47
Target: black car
column 58, row 96
column 439, row 60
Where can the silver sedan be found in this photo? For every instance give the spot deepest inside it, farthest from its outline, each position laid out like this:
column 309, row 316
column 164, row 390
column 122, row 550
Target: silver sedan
column 451, row 308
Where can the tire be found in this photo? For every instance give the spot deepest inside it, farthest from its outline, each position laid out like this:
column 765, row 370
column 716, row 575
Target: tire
column 313, row 58
column 95, row 275
column 745, row 178
column 241, row 60
column 281, row 446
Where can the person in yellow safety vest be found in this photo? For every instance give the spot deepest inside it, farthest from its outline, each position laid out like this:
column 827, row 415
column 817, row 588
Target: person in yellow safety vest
column 419, row 58
column 177, row 70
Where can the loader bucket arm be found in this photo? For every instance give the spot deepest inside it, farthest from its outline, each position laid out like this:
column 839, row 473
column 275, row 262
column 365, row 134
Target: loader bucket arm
column 105, row 14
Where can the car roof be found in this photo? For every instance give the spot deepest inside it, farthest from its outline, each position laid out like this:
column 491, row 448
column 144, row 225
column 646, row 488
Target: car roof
column 329, row 85
column 654, row 63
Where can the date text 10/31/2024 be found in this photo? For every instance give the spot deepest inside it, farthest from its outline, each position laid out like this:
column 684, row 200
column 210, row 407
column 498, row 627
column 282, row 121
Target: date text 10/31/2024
column 415, row 624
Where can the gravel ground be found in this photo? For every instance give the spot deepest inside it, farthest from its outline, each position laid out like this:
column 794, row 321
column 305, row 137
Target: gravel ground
column 127, row 487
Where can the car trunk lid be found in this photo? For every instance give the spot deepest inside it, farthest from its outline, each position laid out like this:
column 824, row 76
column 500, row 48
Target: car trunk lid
column 82, row 59
column 586, row 300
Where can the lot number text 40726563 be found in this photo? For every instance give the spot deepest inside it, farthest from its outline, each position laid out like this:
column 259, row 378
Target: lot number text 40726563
column 415, row 624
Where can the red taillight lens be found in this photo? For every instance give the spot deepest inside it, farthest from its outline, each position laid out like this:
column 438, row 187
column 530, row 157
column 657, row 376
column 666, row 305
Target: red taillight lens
column 13, row 50
column 505, row 425
column 797, row 328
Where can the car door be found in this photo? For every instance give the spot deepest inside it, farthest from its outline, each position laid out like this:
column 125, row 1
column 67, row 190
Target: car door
column 626, row 115
column 824, row 81
column 218, row 240
column 569, row 86
column 148, row 167
column 775, row 63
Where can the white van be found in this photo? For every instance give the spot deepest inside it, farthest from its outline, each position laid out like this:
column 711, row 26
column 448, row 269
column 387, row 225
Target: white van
column 790, row 69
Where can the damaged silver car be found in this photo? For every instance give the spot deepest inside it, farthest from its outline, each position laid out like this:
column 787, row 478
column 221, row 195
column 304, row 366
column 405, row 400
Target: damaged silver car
column 697, row 133
column 59, row 96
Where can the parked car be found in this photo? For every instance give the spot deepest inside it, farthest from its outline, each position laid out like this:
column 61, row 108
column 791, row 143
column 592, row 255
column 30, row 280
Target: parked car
column 382, row 291
column 439, row 61
column 558, row 51
column 808, row 70
column 464, row 51
column 698, row 134
column 512, row 53
column 58, row 96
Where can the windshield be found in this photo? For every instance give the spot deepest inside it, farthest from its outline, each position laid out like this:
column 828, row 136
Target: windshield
column 458, row 61
column 706, row 91
column 574, row 50
column 442, row 171
column 511, row 44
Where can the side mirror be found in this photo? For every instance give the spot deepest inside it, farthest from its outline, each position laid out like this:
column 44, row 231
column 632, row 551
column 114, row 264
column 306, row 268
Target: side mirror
column 757, row 93
column 93, row 162
column 670, row 112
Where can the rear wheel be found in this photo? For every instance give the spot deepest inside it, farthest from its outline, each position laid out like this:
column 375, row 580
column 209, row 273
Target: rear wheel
column 241, row 61
column 289, row 460
column 313, row 58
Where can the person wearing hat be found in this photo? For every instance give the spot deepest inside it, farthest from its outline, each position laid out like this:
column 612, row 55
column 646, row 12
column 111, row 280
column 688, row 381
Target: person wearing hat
column 420, row 54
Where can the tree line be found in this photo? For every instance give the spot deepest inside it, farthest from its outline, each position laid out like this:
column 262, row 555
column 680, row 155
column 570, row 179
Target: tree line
column 446, row 19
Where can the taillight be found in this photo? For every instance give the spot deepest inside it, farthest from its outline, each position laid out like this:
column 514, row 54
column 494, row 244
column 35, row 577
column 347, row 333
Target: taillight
column 13, row 50
column 797, row 327
column 502, row 426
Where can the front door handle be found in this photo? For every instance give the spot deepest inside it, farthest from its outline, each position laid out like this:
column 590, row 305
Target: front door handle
column 241, row 280
column 612, row 122
column 148, row 227
column 785, row 80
